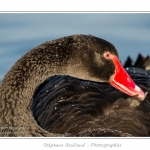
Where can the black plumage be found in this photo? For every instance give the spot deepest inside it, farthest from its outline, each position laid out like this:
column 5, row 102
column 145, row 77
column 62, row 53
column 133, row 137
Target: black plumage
column 64, row 104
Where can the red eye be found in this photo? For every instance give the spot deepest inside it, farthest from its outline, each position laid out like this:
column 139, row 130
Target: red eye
column 107, row 55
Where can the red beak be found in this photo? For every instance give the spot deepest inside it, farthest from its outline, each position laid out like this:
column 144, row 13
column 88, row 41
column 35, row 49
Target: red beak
column 122, row 81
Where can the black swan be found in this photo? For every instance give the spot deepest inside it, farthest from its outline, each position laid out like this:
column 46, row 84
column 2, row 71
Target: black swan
column 78, row 102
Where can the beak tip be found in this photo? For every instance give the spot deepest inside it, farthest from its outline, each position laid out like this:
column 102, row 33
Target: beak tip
column 142, row 96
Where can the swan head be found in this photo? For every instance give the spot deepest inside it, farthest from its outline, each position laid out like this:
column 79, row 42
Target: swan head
column 96, row 59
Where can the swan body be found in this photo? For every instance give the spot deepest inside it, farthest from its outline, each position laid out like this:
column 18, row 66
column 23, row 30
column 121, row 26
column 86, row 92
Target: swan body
column 80, row 56
column 141, row 62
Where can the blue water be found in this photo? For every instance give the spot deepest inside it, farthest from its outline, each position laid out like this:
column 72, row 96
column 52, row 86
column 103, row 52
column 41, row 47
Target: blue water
column 130, row 33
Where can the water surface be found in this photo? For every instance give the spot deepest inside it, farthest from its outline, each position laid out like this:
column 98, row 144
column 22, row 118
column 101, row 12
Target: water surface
column 130, row 33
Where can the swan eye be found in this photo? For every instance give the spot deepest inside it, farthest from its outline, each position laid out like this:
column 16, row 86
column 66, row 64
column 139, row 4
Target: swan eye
column 107, row 55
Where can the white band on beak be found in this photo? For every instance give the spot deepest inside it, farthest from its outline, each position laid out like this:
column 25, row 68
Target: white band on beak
column 137, row 88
